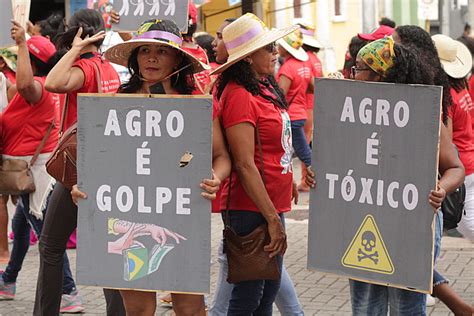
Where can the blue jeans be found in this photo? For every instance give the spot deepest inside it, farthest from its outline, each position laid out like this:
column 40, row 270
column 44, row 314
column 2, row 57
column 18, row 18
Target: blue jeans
column 437, row 277
column 251, row 297
column 286, row 300
column 22, row 223
column 300, row 144
column 371, row 299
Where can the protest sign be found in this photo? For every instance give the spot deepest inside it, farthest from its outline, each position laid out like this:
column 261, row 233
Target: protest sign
column 375, row 155
column 145, row 224
column 6, row 25
column 21, row 11
column 133, row 13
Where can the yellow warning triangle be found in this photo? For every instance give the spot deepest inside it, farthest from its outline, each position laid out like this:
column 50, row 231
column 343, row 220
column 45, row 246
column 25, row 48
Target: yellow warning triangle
column 367, row 250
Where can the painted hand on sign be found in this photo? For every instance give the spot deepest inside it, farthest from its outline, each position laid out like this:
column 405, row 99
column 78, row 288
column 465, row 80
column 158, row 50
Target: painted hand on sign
column 140, row 261
column 154, row 7
column 131, row 231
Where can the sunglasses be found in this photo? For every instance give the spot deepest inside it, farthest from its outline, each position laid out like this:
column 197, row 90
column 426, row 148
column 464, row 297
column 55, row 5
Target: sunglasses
column 270, row 47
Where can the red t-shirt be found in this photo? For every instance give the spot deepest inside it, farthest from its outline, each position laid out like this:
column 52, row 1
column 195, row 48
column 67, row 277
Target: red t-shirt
column 317, row 69
column 239, row 106
column 299, row 72
column 462, row 114
column 108, row 76
column 10, row 75
column 203, row 79
column 24, row 125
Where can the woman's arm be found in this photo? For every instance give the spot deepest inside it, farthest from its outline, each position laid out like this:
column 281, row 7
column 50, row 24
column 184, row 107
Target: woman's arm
column 30, row 89
column 450, row 168
column 64, row 77
column 284, row 82
column 220, row 157
column 242, row 146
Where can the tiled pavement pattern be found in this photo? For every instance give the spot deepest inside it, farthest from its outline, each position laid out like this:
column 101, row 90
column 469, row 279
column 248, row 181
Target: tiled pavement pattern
column 319, row 293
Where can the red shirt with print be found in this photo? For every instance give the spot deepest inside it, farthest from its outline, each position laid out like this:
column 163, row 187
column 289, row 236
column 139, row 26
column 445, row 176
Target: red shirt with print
column 203, row 79
column 240, row 106
column 24, row 125
column 108, row 76
column 461, row 113
column 300, row 73
column 317, row 69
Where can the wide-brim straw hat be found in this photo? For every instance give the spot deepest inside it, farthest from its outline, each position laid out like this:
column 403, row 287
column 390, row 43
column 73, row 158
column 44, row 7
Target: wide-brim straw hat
column 120, row 53
column 293, row 44
column 246, row 35
column 454, row 56
column 309, row 36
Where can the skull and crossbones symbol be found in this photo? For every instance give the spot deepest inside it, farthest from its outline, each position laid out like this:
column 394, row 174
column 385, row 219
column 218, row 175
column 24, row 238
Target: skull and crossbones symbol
column 368, row 242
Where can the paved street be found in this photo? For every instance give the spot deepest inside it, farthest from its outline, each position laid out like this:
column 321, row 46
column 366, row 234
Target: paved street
column 319, row 293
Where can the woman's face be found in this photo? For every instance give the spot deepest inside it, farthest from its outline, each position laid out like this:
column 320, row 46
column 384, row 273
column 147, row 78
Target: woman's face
column 362, row 72
column 155, row 62
column 218, row 45
column 264, row 60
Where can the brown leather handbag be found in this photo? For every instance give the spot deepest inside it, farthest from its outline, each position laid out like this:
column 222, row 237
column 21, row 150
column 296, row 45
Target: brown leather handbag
column 15, row 174
column 247, row 260
column 62, row 163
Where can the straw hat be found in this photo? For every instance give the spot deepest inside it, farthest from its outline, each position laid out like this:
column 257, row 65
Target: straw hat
column 293, row 44
column 9, row 55
column 309, row 34
column 151, row 32
column 246, row 35
column 454, row 56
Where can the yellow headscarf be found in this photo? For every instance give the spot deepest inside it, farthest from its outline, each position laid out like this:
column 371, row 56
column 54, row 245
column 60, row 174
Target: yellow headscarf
column 379, row 55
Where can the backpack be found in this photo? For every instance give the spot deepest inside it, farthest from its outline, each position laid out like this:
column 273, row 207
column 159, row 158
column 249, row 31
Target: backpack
column 453, row 207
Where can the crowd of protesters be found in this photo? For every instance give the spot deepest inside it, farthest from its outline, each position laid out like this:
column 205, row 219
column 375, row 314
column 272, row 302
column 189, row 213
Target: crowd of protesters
column 262, row 85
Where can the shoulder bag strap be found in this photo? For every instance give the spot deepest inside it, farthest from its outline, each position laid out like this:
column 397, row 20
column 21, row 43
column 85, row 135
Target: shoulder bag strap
column 41, row 145
column 63, row 115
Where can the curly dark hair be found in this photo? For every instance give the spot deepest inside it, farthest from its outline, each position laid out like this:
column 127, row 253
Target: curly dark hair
column 91, row 22
column 243, row 74
column 459, row 84
column 408, row 68
column 417, row 39
column 52, row 26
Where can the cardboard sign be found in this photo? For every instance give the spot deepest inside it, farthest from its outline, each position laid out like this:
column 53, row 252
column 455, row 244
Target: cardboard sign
column 145, row 224
column 6, row 25
column 21, row 11
column 375, row 157
column 133, row 13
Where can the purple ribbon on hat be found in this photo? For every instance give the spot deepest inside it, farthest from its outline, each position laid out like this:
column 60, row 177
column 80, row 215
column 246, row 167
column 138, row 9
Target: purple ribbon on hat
column 242, row 39
column 307, row 32
column 161, row 35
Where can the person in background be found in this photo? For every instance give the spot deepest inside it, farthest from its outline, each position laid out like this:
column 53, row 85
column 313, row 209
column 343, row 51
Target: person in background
column 457, row 63
column 49, row 27
column 467, row 39
column 354, row 46
column 295, row 79
column 79, row 70
column 8, row 58
column 385, row 61
column 387, row 22
column 311, row 46
column 204, row 40
column 35, row 112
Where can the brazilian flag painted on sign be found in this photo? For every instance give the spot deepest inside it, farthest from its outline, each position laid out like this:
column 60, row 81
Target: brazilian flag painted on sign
column 135, row 263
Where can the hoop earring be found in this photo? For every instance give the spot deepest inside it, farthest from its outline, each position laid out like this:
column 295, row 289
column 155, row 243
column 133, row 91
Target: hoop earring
column 177, row 78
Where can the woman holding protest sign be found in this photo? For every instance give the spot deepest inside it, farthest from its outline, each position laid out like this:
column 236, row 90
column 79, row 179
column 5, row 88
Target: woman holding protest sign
column 159, row 65
column 81, row 69
column 385, row 61
column 257, row 125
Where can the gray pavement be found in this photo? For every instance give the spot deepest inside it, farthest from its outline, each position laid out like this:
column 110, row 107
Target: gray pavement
column 319, row 293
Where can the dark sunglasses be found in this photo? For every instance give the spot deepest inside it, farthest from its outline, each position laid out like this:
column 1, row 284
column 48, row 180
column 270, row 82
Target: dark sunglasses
column 270, row 47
